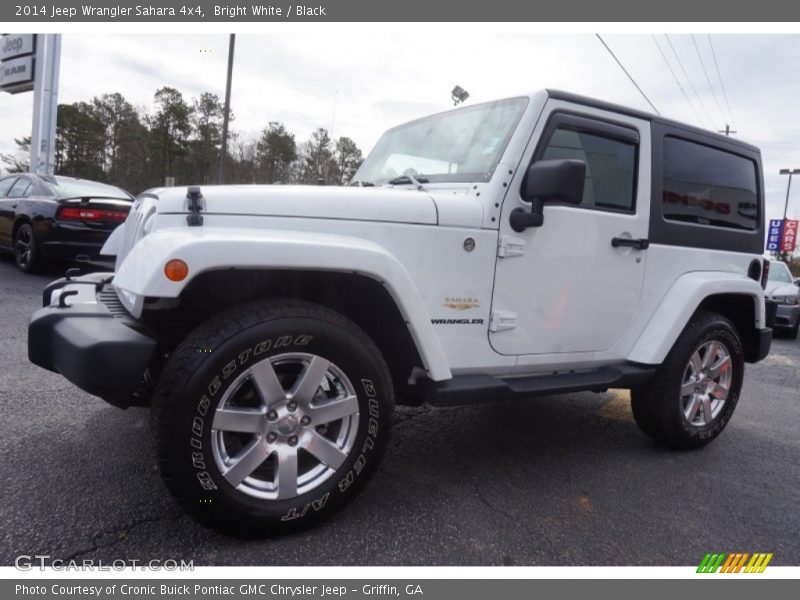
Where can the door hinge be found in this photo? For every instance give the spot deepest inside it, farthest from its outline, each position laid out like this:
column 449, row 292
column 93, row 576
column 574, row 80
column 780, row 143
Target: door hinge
column 501, row 320
column 510, row 246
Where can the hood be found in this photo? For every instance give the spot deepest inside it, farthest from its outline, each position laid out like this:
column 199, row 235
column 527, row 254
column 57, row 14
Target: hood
column 778, row 288
column 322, row 202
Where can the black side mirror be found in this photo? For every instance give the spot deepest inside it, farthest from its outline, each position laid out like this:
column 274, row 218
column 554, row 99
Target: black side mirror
column 549, row 181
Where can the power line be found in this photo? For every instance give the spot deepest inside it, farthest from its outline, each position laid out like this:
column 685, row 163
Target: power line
column 688, row 79
column 708, row 79
column 721, row 84
column 671, row 70
column 633, row 81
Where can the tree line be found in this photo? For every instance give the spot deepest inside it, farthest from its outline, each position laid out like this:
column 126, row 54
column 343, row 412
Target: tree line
column 109, row 139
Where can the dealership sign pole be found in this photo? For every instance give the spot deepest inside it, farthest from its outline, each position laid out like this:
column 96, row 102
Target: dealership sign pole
column 45, row 104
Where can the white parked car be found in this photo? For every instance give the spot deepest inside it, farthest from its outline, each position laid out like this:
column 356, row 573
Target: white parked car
column 534, row 245
column 784, row 291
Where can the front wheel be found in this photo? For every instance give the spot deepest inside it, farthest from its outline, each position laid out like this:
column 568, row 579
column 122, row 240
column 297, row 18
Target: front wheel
column 271, row 416
column 695, row 390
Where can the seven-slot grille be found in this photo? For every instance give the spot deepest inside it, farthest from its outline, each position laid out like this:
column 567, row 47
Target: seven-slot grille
column 134, row 225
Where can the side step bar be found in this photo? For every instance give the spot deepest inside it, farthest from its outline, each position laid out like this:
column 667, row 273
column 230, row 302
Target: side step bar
column 472, row 389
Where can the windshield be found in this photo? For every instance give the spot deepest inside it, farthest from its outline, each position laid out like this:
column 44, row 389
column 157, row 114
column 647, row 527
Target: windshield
column 458, row 146
column 66, row 187
column 778, row 271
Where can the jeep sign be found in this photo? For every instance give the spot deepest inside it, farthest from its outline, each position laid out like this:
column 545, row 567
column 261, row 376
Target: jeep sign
column 17, row 44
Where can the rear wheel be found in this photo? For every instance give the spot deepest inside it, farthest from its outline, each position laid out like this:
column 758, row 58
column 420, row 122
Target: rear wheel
column 26, row 249
column 694, row 392
column 271, row 416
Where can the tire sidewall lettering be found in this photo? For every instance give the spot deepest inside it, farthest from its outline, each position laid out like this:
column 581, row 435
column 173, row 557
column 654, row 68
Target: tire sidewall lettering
column 203, row 411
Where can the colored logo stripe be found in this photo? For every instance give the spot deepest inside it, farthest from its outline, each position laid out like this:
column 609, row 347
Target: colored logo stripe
column 711, row 563
column 734, row 562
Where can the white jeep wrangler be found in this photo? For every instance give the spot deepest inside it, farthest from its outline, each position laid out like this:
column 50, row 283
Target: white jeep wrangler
column 535, row 245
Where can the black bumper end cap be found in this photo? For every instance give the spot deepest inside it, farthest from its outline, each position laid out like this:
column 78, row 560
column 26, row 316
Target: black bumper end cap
column 92, row 349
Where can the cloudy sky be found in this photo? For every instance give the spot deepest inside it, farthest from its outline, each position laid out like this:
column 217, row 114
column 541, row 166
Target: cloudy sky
column 359, row 82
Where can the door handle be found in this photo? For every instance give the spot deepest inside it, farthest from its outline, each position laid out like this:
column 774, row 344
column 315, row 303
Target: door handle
column 637, row 244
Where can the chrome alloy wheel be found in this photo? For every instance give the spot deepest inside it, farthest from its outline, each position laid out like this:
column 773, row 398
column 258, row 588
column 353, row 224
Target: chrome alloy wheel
column 706, row 383
column 284, row 426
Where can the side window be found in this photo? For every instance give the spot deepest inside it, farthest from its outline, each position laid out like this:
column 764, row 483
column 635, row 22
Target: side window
column 610, row 166
column 709, row 186
column 20, row 189
column 5, row 185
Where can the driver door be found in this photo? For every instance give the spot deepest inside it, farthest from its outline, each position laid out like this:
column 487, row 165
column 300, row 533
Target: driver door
column 564, row 288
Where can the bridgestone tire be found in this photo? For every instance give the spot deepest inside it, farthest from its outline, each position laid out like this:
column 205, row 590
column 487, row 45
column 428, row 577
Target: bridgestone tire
column 207, row 365
column 658, row 406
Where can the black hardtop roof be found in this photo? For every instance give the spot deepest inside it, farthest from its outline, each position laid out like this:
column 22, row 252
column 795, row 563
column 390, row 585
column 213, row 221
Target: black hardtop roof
column 639, row 114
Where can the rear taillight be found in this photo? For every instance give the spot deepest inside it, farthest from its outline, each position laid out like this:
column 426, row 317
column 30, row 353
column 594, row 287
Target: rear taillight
column 87, row 215
column 764, row 274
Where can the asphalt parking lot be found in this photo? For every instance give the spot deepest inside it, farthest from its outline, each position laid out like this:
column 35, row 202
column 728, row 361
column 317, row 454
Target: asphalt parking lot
column 563, row 480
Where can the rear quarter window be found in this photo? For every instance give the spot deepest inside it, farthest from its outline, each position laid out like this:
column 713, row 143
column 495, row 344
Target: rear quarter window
column 709, row 186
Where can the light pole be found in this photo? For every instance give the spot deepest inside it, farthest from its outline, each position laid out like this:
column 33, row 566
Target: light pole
column 788, row 172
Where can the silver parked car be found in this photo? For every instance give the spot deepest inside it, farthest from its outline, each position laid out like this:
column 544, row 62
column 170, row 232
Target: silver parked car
column 783, row 290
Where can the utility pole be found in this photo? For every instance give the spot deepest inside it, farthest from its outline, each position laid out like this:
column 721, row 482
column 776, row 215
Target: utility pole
column 727, row 131
column 223, row 153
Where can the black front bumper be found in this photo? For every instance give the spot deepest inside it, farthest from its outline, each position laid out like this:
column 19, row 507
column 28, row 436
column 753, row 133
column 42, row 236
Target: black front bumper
column 96, row 346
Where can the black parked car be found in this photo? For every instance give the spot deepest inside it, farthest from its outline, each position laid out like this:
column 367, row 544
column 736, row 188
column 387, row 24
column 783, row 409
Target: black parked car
column 46, row 218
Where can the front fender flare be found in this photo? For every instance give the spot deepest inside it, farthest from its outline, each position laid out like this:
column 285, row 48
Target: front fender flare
column 681, row 302
column 205, row 249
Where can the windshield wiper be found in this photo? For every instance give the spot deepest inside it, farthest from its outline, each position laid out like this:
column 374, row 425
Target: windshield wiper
column 361, row 184
column 417, row 181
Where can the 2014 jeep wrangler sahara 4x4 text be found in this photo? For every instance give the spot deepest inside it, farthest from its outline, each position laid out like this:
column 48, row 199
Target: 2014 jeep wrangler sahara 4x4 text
column 534, row 245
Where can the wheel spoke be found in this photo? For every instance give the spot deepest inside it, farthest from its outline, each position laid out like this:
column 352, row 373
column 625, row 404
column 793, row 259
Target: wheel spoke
column 711, row 353
column 323, row 450
column 719, row 367
column 719, row 391
column 707, row 409
column 688, row 387
column 697, row 363
column 247, row 461
column 690, row 412
column 286, row 473
column 334, row 410
column 244, row 420
column 310, row 379
column 266, row 382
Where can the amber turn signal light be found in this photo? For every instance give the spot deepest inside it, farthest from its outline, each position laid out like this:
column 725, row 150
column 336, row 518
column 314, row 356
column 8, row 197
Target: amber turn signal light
column 176, row 270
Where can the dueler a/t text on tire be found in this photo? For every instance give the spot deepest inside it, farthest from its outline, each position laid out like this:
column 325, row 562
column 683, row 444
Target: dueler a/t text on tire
column 271, row 416
column 695, row 390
